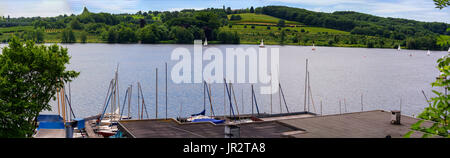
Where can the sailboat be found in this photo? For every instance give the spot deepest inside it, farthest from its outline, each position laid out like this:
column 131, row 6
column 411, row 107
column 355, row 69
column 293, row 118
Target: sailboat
column 262, row 44
column 399, row 48
column 428, row 53
column 206, row 42
column 313, row 47
column 448, row 50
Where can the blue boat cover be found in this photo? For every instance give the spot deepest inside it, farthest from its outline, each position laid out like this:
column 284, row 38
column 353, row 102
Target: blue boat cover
column 201, row 113
column 50, row 125
column 80, row 123
column 209, row 120
column 49, row 118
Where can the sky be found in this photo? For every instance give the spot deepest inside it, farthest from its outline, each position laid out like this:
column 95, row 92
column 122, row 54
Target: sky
column 421, row 10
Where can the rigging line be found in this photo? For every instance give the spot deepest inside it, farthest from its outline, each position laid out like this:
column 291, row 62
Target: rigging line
column 143, row 103
column 124, row 101
column 108, row 92
column 254, row 97
column 234, row 96
column 70, row 105
column 229, row 97
column 284, row 99
column 106, row 107
column 208, row 89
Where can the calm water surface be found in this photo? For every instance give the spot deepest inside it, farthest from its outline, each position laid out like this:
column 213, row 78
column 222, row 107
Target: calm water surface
column 384, row 77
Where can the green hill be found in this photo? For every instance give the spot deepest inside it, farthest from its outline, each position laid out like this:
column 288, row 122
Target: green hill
column 261, row 19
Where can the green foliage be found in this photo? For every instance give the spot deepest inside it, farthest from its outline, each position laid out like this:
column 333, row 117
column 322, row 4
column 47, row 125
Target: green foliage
column 441, row 3
column 29, row 77
column 83, row 37
column 281, row 23
column 75, row 24
column 235, row 17
column 362, row 24
column 68, row 36
column 126, row 35
column 36, row 35
column 282, row 37
column 153, row 33
column 181, row 34
column 439, row 110
column 228, row 37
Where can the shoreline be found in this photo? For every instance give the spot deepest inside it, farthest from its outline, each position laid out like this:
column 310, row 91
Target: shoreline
column 215, row 43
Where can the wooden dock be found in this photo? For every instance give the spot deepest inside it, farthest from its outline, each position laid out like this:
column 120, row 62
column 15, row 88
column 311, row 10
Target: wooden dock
column 369, row 124
column 171, row 128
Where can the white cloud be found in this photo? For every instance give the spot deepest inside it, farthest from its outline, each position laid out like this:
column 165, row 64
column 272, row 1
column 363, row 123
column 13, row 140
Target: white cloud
column 44, row 8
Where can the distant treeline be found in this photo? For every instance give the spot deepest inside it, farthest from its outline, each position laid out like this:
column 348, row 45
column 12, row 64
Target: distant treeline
column 186, row 25
column 146, row 27
column 418, row 35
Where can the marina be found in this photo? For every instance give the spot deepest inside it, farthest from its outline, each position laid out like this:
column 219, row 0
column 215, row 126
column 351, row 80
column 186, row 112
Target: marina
column 129, row 114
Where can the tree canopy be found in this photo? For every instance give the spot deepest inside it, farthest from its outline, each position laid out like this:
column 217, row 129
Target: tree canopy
column 29, row 77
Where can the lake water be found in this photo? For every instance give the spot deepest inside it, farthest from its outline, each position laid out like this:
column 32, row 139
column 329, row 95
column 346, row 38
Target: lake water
column 383, row 76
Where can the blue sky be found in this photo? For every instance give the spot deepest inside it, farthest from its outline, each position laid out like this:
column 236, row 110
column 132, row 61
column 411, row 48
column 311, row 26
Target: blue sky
column 422, row 10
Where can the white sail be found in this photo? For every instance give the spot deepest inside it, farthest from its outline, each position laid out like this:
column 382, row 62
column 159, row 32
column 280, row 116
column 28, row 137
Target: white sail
column 314, row 47
column 449, row 50
column 399, row 48
column 428, row 53
column 262, row 43
column 206, row 42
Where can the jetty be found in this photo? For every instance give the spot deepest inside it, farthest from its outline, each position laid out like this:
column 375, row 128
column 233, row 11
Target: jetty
column 367, row 124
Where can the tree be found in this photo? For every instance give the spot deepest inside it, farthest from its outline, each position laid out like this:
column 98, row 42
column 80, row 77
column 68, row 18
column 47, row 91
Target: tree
column 181, row 35
column 153, row 33
column 439, row 110
column 229, row 10
column 68, row 36
column 29, row 77
column 441, row 3
column 228, row 37
column 75, row 24
column 252, row 10
column 282, row 37
column 83, row 36
column 281, row 23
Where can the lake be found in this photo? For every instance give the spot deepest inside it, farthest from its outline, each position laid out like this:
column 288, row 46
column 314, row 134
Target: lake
column 385, row 77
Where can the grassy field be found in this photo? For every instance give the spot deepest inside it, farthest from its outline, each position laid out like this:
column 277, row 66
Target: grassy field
column 252, row 18
column 271, row 36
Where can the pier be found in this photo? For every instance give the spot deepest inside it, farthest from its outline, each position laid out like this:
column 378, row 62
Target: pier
column 368, row 124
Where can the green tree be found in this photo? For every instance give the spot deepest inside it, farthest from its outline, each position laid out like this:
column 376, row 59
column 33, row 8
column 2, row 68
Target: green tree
column 282, row 37
column 29, row 77
column 83, row 36
column 181, row 35
column 75, row 24
column 68, row 36
column 439, row 110
column 281, row 23
column 441, row 3
column 252, row 10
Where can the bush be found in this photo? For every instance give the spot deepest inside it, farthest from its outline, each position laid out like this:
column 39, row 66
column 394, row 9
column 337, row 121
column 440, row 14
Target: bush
column 181, row 35
column 228, row 37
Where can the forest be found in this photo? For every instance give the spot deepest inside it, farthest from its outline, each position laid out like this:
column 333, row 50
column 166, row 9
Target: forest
column 275, row 24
